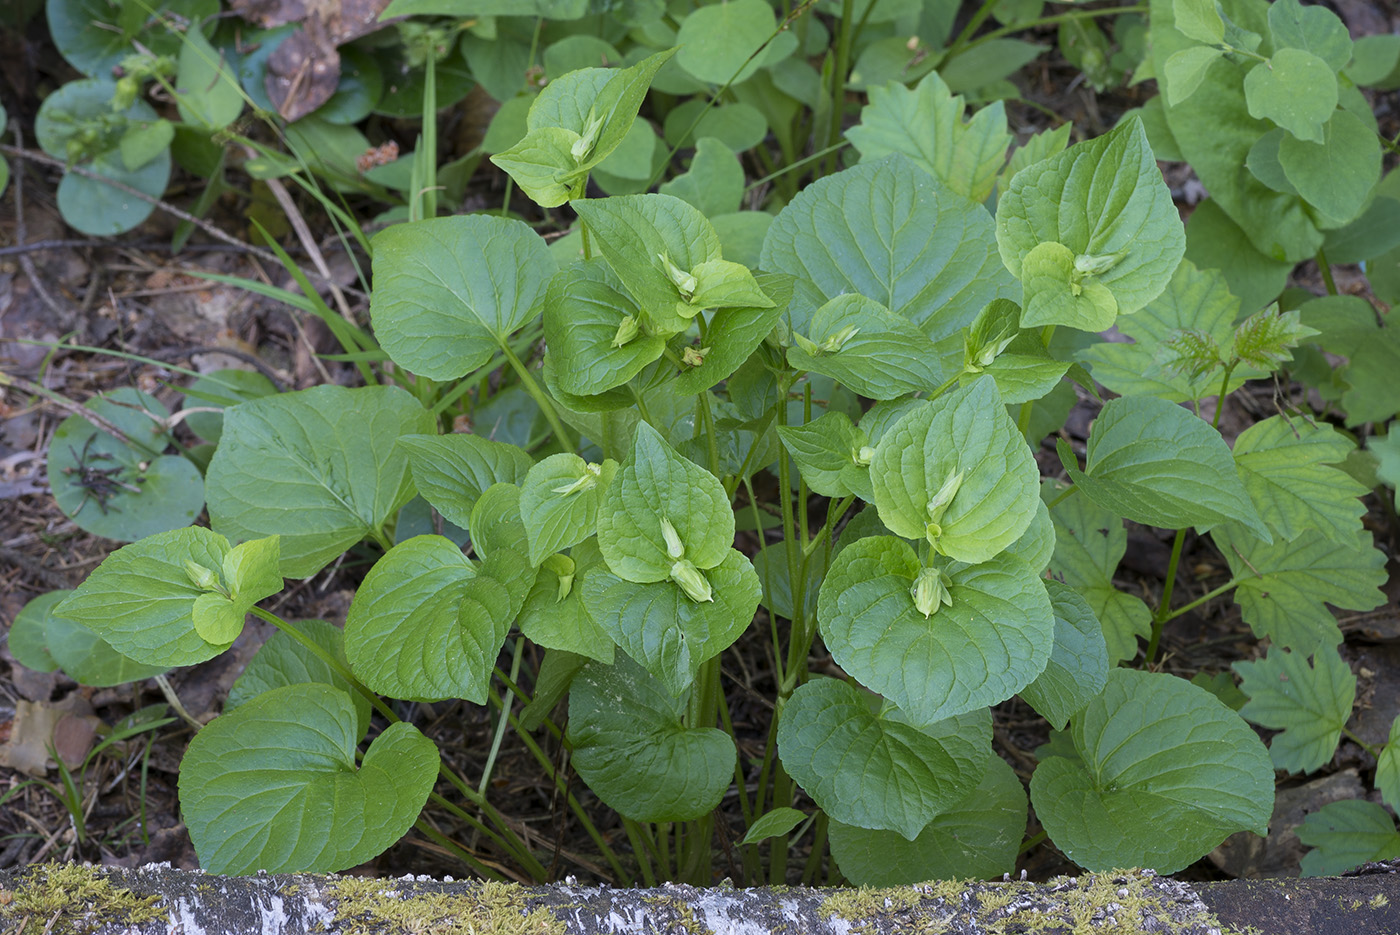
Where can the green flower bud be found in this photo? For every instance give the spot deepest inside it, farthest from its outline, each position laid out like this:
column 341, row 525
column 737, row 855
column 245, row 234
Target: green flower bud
column 583, row 146
column 201, row 577
column 1090, row 265
column 807, row 344
column 834, row 343
column 589, row 480
column 691, row 581
column 930, row 591
column 674, row 547
column 685, row 283
column 564, row 567
column 626, row 331
column 862, row 456
column 939, row 505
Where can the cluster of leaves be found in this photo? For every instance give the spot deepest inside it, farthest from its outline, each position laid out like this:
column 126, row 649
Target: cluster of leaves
column 888, row 346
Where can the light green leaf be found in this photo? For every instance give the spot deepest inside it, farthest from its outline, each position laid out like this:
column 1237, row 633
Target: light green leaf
column 207, row 92
column 143, row 142
column 1386, row 448
column 1315, row 29
column 664, row 627
column 452, row 471
column 1155, row 752
column 1215, row 241
column 1042, row 145
column 714, row 183
column 1155, row 463
column 1090, row 541
column 317, row 468
column 719, row 42
column 1104, row 200
column 559, row 502
column 865, row 764
column 274, row 785
column 1186, row 69
column 250, row 573
column 1345, row 835
column 43, row 641
column 1195, row 301
column 28, row 634
column 1290, row 468
column 1387, row 767
column 926, row 124
column 553, row 614
column 283, row 660
column 771, row 824
column 1337, row 172
column 992, row 639
column 865, row 346
column 893, row 233
column 1025, row 372
column 219, row 390
column 427, row 624
column 829, row 451
column 1037, row 544
column 142, row 599
column 1058, row 294
column 965, row 444
column 1295, row 89
column 1199, row 20
column 733, row 335
column 722, row 284
column 978, row 838
column 542, row 164
column 633, row 750
column 1308, row 703
column 656, row 488
column 1284, row 586
column 638, row 235
column 449, row 292
column 1078, row 665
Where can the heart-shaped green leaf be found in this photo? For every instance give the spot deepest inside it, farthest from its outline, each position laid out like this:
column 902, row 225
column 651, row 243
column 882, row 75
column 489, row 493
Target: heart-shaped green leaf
column 593, row 330
column 864, row 764
column 991, row 641
column 875, row 352
column 318, row 468
column 1078, row 666
column 957, row 472
column 829, row 452
column 559, row 502
column 1155, row 752
column 1337, row 173
column 452, row 471
column 633, row 750
column 274, row 785
column 284, row 660
column 977, row 839
column 449, row 292
column 144, row 599
column 553, row 614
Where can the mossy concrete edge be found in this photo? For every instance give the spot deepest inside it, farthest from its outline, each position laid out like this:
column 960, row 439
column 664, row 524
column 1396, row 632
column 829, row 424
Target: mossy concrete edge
column 71, row 900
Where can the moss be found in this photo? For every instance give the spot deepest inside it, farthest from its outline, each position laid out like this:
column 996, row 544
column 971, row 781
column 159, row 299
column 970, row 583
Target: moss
column 1379, row 901
column 366, row 906
column 682, row 917
column 66, row 899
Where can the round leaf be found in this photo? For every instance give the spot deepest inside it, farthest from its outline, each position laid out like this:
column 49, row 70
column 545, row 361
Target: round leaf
column 283, row 660
column 1295, row 89
column 274, row 785
column 28, row 636
column 94, row 35
column 717, row 42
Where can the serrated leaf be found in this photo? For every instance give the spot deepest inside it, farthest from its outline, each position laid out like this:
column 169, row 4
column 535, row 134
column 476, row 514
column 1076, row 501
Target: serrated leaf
column 1195, row 300
column 251, row 806
column 449, row 292
column 1283, row 587
column 865, row 764
column 658, row 486
column 1308, row 703
column 1289, row 467
column 559, row 502
column 1388, row 768
column 890, row 232
column 142, row 601
column 1347, row 834
column 976, row 839
column 1157, row 752
column 926, row 124
column 283, row 660
column 427, row 624
column 452, row 471
column 1078, row 665
column 318, row 468
column 964, row 434
column 1155, row 463
column 633, row 750
column 865, row 346
column 1101, row 198
column 1295, row 89
column 773, row 823
column 991, row 641
column 665, row 629
column 1090, row 541
column 827, row 451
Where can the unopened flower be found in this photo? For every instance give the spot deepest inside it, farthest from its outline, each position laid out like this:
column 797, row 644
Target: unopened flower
column 930, row 591
column 692, row 581
column 674, row 547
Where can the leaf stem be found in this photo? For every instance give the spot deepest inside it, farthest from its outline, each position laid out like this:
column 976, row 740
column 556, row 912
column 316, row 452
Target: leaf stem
column 1209, row 595
column 1031, row 842
column 1325, row 269
column 541, row 398
column 642, row 852
column 838, row 79
column 1042, row 21
column 819, row 154
column 1062, row 495
column 1370, row 748
column 441, row 840
column 962, row 40
column 1164, row 605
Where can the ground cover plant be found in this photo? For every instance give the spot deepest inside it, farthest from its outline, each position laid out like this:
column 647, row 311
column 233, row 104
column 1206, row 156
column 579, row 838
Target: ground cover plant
column 865, row 385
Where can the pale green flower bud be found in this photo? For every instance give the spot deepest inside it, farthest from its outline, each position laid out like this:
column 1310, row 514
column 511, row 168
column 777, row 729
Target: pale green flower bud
column 626, row 331
column 806, row 343
column 201, row 577
column 838, row 340
column 674, row 547
column 583, row 146
column 939, row 505
column 683, row 281
column 692, row 581
column 564, row 567
column 1090, row 265
column 588, row 481
column 930, row 591
column 862, row 456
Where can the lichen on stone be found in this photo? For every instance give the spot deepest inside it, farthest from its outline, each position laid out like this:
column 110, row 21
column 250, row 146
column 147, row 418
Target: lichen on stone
column 68, row 899
column 365, row 906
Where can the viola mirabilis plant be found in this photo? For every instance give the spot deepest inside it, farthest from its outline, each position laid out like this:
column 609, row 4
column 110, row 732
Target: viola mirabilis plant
column 887, row 361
